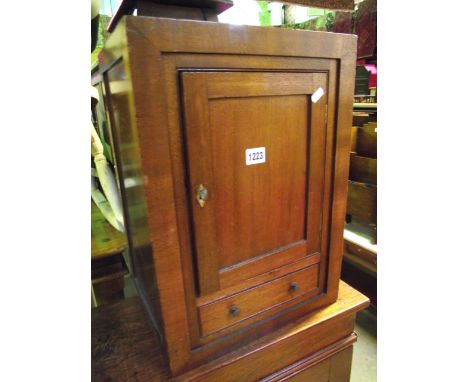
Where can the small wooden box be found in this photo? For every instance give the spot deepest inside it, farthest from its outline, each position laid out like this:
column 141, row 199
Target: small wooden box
column 232, row 145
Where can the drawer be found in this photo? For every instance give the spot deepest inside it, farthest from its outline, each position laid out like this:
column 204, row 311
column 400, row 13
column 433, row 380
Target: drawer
column 228, row 311
column 366, row 140
column 362, row 201
column 362, row 169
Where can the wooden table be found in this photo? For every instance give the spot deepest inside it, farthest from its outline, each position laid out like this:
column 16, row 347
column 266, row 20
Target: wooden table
column 105, row 239
column 125, row 348
column 107, row 265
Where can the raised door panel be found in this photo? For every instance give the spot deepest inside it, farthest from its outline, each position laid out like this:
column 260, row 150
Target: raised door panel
column 255, row 145
column 261, row 206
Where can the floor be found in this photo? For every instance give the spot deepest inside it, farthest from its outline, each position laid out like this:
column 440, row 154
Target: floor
column 364, row 367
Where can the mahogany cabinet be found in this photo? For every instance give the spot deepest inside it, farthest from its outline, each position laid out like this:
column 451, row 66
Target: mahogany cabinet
column 232, row 146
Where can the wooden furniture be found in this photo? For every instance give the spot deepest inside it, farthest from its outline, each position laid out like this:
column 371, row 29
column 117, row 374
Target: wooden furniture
column 360, row 267
column 232, row 145
column 107, row 264
column 362, row 185
column 363, row 256
column 369, row 107
column 315, row 348
column 360, row 236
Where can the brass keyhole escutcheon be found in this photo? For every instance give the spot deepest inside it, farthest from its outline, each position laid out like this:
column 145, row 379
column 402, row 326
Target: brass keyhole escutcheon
column 201, row 195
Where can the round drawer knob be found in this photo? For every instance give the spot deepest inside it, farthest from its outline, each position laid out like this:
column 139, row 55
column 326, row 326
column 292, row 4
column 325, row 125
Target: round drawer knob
column 234, row 311
column 293, row 287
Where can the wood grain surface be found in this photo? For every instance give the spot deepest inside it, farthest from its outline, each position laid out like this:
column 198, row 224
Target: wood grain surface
column 366, row 140
column 363, row 169
column 105, row 239
column 362, row 201
column 124, row 347
column 171, row 243
column 217, row 315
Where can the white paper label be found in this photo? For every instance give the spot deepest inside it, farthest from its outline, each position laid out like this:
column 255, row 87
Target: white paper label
column 317, row 95
column 255, row 156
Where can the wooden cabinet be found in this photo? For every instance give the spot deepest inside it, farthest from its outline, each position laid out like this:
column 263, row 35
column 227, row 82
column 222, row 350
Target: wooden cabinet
column 362, row 187
column 233, row 149
column 360, row 237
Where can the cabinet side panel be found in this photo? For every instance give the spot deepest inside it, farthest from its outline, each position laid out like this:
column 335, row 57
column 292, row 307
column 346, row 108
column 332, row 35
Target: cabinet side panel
column 150, row 108
column 127, row 153
column 344, row 118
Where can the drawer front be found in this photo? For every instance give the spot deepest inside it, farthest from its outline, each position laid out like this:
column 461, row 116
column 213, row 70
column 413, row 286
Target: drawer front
column 228, row 311
column 362, row 201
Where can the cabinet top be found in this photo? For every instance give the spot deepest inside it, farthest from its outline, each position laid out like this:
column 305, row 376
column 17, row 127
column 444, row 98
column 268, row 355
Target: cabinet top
column 187, row 36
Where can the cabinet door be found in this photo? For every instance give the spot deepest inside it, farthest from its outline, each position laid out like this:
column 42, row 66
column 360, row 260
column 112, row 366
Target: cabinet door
column 255, row 153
